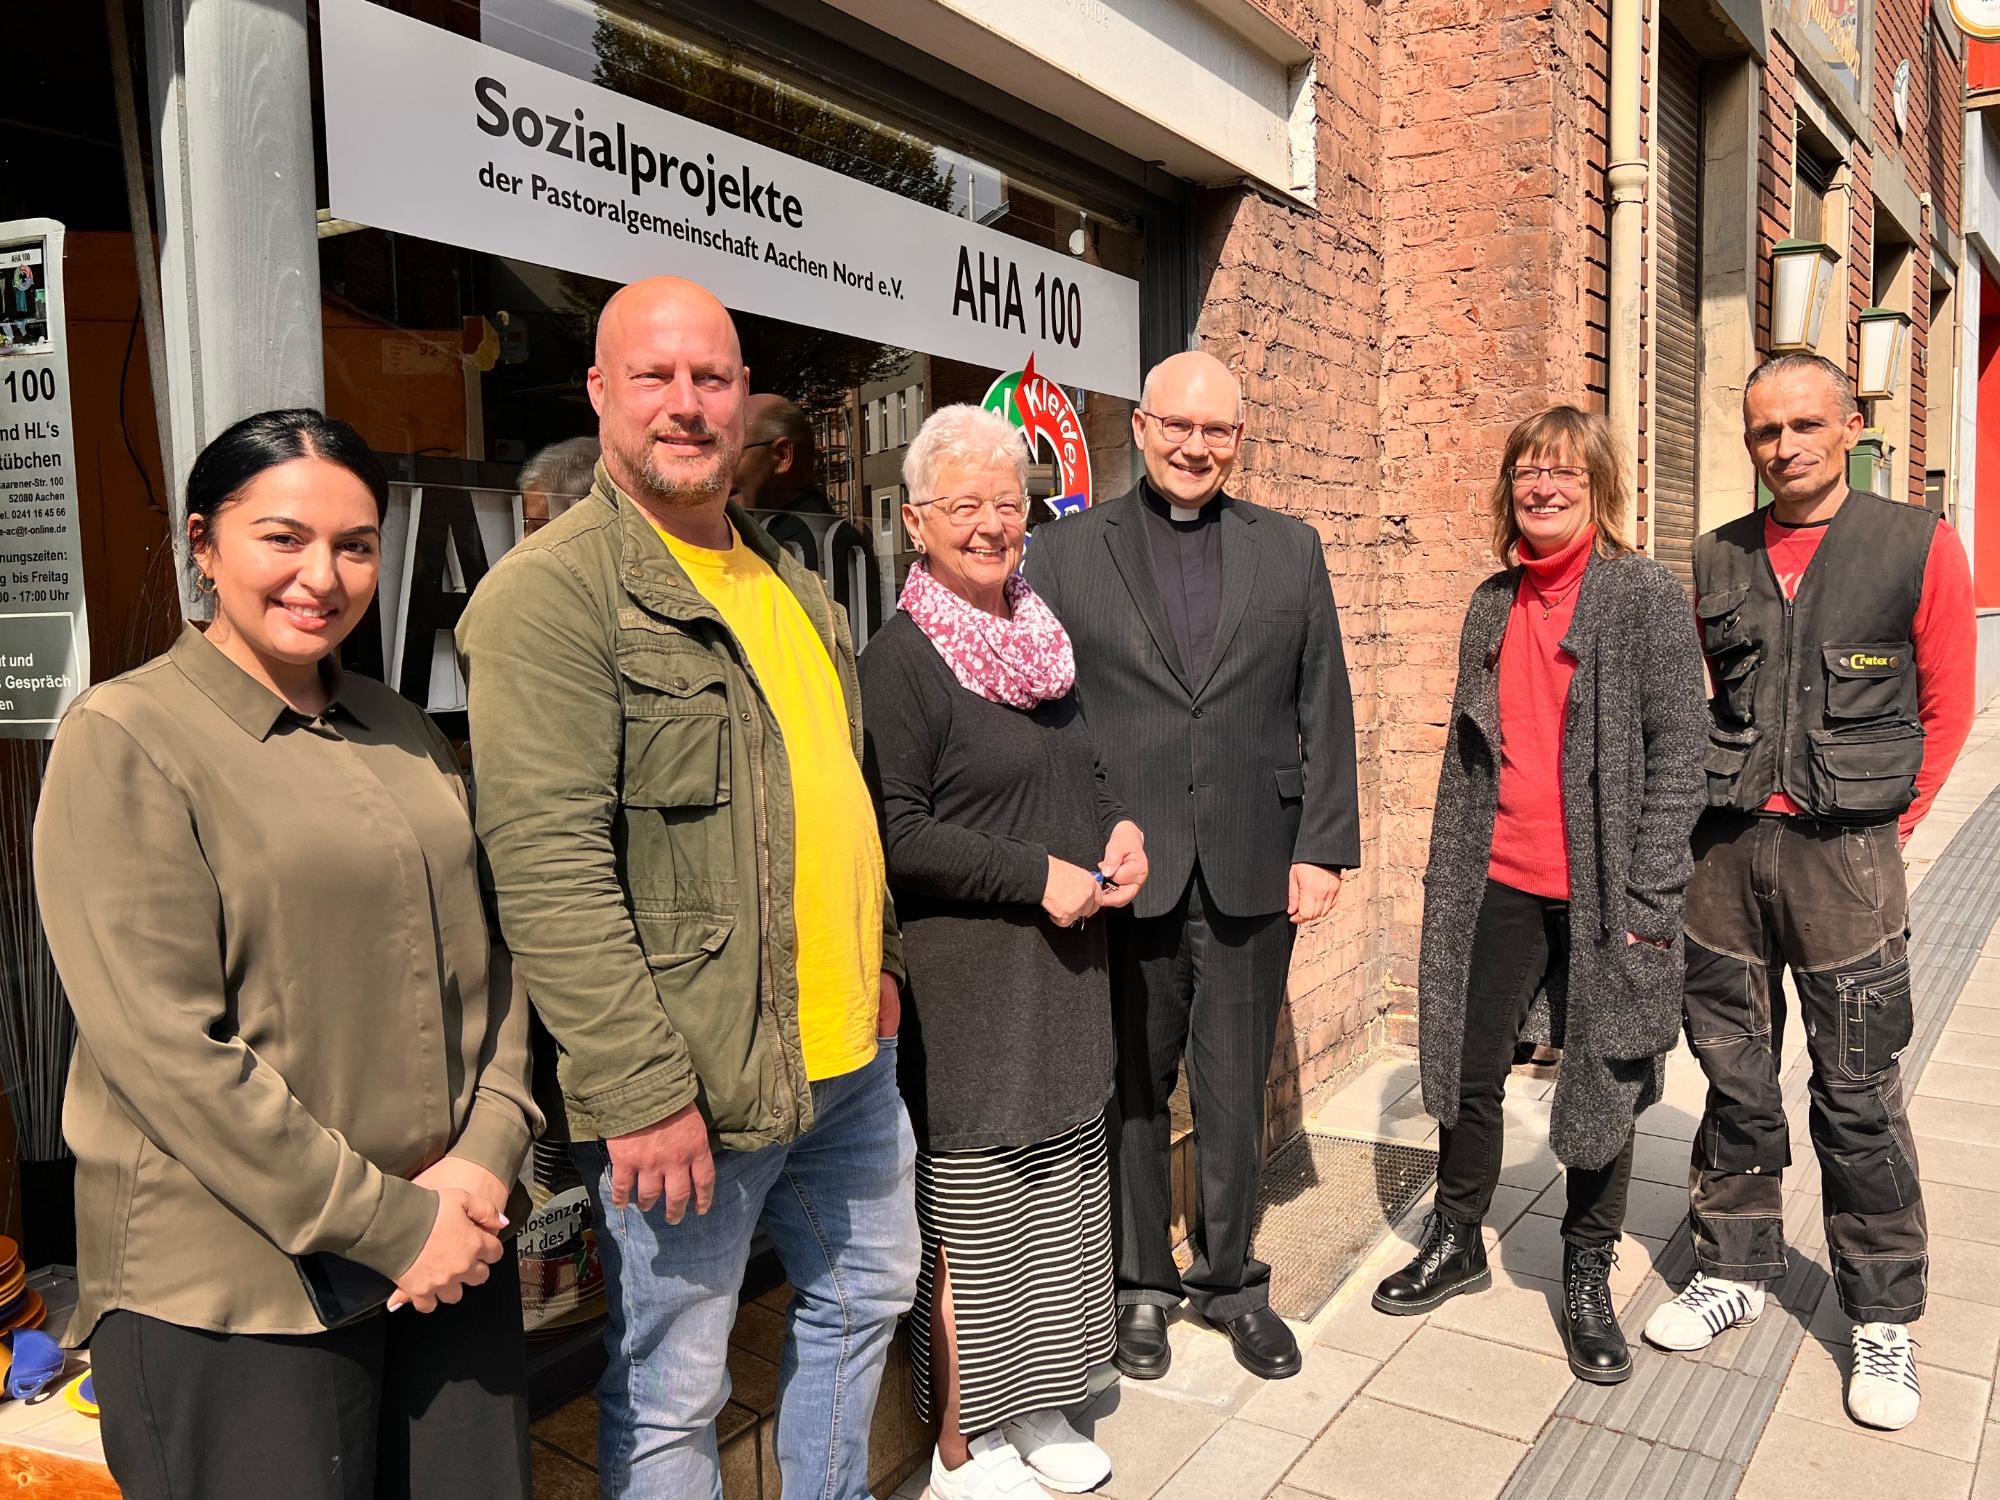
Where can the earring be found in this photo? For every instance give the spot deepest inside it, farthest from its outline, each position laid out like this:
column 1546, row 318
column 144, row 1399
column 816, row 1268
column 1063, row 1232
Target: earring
column 204, row 584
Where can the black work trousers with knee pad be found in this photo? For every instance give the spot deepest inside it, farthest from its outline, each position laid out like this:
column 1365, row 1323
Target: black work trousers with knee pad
column 1827, row 901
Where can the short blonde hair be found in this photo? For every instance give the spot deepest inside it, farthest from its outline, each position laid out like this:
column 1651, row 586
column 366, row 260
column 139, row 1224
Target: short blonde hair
column 1583, row 437
column 961, row 434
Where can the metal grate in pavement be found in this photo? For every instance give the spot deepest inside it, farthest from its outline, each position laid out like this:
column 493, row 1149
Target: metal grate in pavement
column 1323, row 1203
column 1686, row 1426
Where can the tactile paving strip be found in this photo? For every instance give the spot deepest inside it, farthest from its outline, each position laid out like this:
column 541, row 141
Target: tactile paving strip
column 1686, row 1426
column 1324, row 1202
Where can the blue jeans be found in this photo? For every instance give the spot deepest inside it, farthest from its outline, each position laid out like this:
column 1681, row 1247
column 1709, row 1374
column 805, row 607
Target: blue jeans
column 839, row 1204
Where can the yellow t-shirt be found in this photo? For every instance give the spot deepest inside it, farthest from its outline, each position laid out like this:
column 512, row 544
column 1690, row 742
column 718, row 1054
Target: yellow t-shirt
column 837, row 853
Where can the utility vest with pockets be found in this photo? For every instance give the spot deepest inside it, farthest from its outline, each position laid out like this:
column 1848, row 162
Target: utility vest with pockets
column 1816, row 696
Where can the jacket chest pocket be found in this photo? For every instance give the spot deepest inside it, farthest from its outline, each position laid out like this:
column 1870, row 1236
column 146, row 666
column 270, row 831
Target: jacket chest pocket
column 1733, row 656
column 1723, row 762
column 1865, row 681
column 679, row 850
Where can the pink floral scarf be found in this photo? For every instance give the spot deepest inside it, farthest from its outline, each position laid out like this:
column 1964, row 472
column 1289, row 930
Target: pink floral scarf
column 1019, row 662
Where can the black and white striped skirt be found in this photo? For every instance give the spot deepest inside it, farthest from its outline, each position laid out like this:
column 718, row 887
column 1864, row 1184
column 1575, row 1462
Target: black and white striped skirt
column 1026, row 1232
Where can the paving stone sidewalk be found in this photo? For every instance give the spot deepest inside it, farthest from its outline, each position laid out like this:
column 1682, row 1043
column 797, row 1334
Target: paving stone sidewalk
column 1475, row 1401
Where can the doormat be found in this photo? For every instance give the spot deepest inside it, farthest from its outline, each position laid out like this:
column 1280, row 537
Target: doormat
column 1323, row 1203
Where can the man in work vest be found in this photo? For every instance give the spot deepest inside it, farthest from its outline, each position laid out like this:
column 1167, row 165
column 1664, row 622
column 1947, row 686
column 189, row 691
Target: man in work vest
column 1839, row 632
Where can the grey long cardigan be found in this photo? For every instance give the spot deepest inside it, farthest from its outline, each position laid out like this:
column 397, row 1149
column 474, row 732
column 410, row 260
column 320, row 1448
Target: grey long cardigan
column 1632, row 787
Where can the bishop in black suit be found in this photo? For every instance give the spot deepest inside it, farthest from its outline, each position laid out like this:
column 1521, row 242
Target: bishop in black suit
column 1209, row 667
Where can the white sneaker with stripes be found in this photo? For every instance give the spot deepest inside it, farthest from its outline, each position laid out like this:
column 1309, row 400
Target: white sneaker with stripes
column 1707, row 1306
column 1882, row 1388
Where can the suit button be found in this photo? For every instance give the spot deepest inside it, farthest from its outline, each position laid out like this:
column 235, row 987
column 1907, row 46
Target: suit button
column 1197, row 713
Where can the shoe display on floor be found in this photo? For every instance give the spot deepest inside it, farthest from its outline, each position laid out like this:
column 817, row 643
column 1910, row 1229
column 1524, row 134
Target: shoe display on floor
column 994, row 1472
column 1264, row 1345
column 1062, row 1458
column 1707, row 1306
column 1882, row 1387
column 1143, row 1352
column 1451, row 1258
column 1597, row 1349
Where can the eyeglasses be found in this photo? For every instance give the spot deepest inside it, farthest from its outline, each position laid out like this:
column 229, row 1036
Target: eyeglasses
column 1565, row 475
column 1178, row 430
column 963, row 510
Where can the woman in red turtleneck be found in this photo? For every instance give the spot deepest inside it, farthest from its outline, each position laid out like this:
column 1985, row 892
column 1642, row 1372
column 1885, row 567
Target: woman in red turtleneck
column 1559, row 857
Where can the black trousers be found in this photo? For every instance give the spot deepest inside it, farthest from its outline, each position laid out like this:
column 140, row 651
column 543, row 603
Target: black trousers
column 400, row 1406
column 1829, row 901
column 1201, row 983
column 1519, row 942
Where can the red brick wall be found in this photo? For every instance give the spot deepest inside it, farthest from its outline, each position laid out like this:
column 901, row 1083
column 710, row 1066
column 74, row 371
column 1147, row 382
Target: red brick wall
column 1492, row 208
column 1774, row 176
column 1293, row 302
column 1449, row 280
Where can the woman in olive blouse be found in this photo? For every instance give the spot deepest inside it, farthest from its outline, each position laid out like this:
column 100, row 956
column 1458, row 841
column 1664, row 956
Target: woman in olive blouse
column 259, row 882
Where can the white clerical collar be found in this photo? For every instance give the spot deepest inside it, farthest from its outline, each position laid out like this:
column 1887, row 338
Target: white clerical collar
column 1183, row 513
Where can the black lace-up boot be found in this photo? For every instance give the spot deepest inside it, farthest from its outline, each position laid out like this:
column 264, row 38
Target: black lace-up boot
column 1596, row 1344
column 1451, row 1259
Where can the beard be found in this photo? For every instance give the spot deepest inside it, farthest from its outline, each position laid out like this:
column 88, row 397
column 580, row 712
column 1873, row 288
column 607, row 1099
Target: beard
column 679, row 483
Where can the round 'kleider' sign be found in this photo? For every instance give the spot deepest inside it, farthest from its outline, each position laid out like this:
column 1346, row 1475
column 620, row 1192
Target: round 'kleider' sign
column 1977, row 17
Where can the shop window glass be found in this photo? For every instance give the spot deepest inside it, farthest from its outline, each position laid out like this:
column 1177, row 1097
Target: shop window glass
column 461, row 367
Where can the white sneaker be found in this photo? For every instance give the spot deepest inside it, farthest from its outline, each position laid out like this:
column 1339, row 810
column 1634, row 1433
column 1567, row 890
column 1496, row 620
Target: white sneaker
column 1063, row 1458
column 1707, row 1306
column 1882, row 1388
column 995, row 1472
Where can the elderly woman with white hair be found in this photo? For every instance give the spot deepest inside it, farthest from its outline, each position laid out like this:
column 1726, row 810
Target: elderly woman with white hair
column 1002, row 840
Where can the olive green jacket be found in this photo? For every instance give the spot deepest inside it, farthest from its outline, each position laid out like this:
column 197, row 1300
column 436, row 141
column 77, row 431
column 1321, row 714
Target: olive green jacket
column 635, row 803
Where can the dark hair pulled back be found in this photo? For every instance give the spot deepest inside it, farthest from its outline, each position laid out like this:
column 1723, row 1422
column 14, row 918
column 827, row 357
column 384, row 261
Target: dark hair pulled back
column 246, row 449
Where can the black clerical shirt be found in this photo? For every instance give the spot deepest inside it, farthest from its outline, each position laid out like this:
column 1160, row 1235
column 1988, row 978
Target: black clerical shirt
column 1187, row 566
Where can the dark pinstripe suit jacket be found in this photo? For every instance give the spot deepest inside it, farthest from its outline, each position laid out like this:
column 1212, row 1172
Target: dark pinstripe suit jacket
column 1249, row 769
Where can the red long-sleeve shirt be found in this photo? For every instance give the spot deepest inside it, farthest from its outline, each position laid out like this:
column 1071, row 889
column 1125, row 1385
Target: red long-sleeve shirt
column 1944, row 639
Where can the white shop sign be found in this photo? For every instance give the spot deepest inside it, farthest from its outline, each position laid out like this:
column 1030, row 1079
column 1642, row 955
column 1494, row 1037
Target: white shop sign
column 44, row 639
column 433, row 134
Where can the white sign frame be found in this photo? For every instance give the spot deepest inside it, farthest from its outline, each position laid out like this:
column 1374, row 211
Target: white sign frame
column 41, row 668
column 437, row 135
column 1977, row 18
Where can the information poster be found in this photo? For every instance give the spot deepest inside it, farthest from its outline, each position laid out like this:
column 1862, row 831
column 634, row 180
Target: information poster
column 44, row 639
column 1832, row 29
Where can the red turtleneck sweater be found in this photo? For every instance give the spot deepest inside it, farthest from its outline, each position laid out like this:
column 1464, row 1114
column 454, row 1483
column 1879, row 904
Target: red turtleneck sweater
column 1530, row 851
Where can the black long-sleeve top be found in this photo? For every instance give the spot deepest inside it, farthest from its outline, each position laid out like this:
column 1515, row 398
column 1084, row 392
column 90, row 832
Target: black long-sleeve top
column 1187, row 567
column 1006, row 1018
